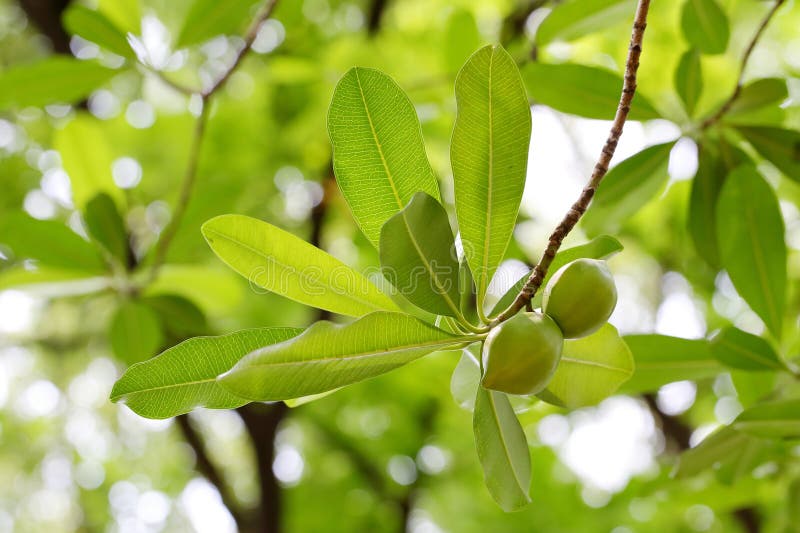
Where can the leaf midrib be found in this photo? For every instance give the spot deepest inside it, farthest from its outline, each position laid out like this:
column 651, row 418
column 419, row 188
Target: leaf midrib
column 489, row 190
column 751, row 355
column 596, row 364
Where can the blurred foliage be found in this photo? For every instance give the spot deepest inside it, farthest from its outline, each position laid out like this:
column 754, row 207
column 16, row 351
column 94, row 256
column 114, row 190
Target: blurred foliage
column 394, row 452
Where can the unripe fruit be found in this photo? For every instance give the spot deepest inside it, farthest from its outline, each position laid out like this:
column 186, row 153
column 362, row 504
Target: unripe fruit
column 580, row 297
column 521, row 354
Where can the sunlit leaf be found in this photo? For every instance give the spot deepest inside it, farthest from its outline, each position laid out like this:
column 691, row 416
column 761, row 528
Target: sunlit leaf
column 418, row 256
column 489, row 154
column 278, row 261
column 135, row 332
column 52, row 282
column 93, row 26
column 590, row 370
column 689, row 80
column 125, row 14
column 582, row 90
column 49, row 242
column 745, row 351
column 601, row 247
column 378, row 155
column 577, row 18
column 185, row 376
column 661, row 359
column 627, row 188
column 209, row 18
column 56, row 79
column 705, row 26
column 502, row 450
column 750, row 233
column 778, row 419
column 328, row 356
column 781, row 147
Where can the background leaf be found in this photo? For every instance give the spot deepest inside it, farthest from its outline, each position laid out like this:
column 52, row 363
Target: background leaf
column 714, row 449
column 93, row 26
column 135, row 332
column 689, row 80
column 281, row 262
column 489, row 155
column 502, row 450
column 626, row 188
column 739, row 349
column 57, row 79
column 705, row 26
column 590, row 370
column 750, row 233
column 209, row 18
column 702, row 215
column 106, row 227
column 418, row 256
column 577, row 18
column 184, row 376
column 781, row 147
column 328, row 356
column 758, row 94
column 661, row 359
column 582, row 90
column 778, row 419
column 378, row 154
column 461, row 38
column 466, row 378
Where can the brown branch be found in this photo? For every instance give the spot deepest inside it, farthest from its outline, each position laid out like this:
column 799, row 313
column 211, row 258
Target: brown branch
column 189, row 178
column 600, row 169
column 376, row 10
column 726, row 106
column 46, row 14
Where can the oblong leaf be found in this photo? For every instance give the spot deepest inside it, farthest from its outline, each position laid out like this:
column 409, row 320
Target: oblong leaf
column 417, row 253
column 57, row 79
column 281, row 262
column 466, row 377
column 778, row 419
column 779, row 146
column 50, row 242
column 106, row 227
column 578, row 18
column 502, row 450
column 661, row 359
column 689, row 80
column 601, row 247
column 489, row 154
column 752, row 248
column 135, row 332
column 705, row 26
column 590, row 370
column 93, row 26
column 328, row 356
column 745, row 351
column 378, row 155
column 185, row 376
column 582, row 90
column 209, row 18
column 627, row 187
column 713, row 450
column 702, row 215
column 759, row 93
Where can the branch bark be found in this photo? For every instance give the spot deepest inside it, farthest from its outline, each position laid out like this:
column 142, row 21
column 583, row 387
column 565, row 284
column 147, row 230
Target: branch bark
column 600, row 169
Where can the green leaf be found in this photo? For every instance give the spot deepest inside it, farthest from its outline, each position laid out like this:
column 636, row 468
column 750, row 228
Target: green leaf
column 750, row 233
column 125, row 14
column 93, row 26
column 87, row 156
column 378, row 155
column 281, row 262
column 328, row 356
column 50, row 242
column 742, row 350
column 661, row 359
column 51, row 282
column 209, row 18
column 468, row 296
column 502, row 450
column 106, row 227
column 689, row 80
column 216, row 290
column 582, row 90
column 627, row 188
column 185, row 376
column 702, row 216
column 180, row 316
column 779, row 146
column 705, row 26
column 466, row 378
column 713, row 450
column 135, row 332
column 461, row 38
column 57, row 79
column 753, row 387
column 418, row 256
column 591, row 369
column 775, row 420
column 577, row 18
column 601, row 247
column 489, row 154
column 759, row 93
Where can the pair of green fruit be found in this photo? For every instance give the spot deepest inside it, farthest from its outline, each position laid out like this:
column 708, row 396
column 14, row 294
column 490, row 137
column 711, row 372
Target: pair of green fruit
column 521, row 354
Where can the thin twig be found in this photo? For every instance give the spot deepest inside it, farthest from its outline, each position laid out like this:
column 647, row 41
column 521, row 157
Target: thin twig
column 189, row 178
column 600, row 169
column 713, row 119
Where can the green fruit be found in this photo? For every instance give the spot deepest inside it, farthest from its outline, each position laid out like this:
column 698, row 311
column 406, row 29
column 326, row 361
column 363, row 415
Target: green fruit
column 580, row 297
column 521, row 354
